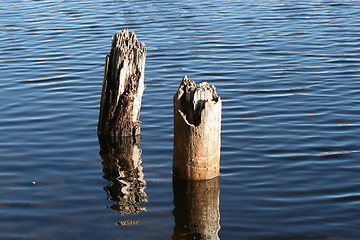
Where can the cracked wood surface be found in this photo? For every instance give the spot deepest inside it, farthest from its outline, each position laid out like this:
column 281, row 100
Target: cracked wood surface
column 197, row 128
column 123, row 86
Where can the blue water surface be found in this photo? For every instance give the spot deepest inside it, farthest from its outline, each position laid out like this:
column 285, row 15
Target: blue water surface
column 288, row 73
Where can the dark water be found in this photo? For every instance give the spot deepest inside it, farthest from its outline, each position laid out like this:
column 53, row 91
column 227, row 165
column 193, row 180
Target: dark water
column 288, row 73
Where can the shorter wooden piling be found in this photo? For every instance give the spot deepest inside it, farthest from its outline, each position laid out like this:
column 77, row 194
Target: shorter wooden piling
column 123, row 86
column 197, row 128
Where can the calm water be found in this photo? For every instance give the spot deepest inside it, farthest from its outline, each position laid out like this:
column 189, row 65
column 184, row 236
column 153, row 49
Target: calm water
column 289, row 76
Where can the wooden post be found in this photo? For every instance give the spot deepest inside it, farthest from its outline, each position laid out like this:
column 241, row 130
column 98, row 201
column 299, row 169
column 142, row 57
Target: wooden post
column 197, row 127
column 123, row 86
column 196, row 210
column 121, row 167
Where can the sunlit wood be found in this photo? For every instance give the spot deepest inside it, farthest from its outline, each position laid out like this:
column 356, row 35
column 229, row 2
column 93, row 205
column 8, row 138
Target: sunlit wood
column 197, row 128
column 123, row 86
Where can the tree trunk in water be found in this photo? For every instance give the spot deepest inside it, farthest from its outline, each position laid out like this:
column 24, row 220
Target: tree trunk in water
column 123, row 86
column 197, row 128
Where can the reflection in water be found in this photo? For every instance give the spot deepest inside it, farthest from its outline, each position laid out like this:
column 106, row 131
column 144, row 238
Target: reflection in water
column 121, row 166
column 196, row 209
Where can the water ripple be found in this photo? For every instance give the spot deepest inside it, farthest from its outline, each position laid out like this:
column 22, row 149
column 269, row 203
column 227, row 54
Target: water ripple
column 287, row 73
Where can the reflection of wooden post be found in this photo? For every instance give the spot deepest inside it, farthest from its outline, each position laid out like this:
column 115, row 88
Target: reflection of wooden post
column 197, row 127
column 123, row 86
column 121, row 165
column 196, row 209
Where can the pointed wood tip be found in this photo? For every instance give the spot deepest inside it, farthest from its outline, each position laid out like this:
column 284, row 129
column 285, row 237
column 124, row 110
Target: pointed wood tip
column 127, row 39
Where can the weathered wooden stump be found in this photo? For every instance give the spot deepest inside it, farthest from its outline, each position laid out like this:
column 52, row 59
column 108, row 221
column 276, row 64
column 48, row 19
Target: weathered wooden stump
column 196, row 210
column 122, row 167
column 197, row 128
column 123, row 86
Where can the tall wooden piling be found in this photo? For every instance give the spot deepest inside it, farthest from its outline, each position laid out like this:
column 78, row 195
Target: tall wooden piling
column 197, row 128
column 123, row 86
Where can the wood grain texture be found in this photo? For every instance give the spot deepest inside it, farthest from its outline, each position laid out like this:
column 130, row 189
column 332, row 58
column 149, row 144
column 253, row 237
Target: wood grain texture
column 197, row 128
column 123, row 86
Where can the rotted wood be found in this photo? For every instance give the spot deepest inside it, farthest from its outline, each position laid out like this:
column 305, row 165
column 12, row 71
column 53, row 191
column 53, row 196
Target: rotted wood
column 196, row 209
column 123, row 86
column 197, row 129
column 122, row 168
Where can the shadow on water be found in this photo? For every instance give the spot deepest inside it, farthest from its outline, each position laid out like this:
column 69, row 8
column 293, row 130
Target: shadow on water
column 122, row 168
column 196, row 210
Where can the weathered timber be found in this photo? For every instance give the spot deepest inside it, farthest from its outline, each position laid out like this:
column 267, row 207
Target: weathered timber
column 123, row 86
column 122, row 168
column 196, row 209
column 197, row 128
